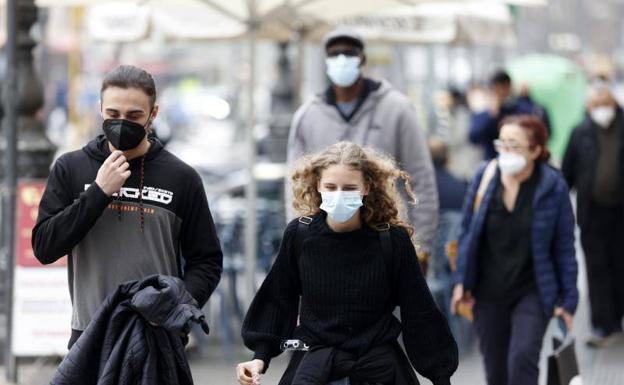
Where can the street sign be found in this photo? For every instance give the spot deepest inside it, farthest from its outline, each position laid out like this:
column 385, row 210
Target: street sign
column 42, row 306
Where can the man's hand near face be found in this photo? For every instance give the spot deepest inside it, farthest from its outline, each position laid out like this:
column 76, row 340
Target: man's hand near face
column 113, row 173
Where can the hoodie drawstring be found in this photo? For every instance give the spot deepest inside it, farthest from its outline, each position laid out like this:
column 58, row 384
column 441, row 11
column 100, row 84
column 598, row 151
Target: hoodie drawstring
column 141, row 192
column 141, row 209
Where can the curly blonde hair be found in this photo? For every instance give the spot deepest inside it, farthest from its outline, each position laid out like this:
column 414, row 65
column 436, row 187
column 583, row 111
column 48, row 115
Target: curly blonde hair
column 382, row 205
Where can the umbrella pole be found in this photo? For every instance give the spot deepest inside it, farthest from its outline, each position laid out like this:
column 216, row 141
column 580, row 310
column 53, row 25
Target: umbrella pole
column 74, row 58
column 8, row 194
column 299, row 70
column 251, row 188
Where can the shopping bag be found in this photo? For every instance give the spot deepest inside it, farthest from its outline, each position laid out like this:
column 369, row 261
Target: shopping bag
column 562, row 364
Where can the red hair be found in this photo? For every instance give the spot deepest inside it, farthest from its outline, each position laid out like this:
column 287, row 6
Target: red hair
column 535, row 130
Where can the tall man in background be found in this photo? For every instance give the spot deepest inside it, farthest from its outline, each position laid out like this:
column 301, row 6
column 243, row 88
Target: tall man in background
column 370, row 113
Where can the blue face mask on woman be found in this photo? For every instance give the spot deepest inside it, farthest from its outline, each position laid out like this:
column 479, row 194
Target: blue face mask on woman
column 341, row 205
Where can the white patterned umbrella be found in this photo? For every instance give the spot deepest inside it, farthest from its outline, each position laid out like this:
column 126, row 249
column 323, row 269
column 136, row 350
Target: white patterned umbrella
column 448, row 22
column 116, row 20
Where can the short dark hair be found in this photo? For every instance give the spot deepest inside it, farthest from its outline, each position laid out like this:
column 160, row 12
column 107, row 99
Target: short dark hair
column 128, row 76
column 500, row 77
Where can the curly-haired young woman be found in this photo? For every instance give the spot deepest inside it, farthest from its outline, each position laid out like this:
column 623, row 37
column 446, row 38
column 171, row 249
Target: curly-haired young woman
column 341, row 270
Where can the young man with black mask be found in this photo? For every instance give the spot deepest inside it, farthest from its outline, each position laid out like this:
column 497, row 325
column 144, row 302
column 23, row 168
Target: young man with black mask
column 123, row 208
column 370, row 113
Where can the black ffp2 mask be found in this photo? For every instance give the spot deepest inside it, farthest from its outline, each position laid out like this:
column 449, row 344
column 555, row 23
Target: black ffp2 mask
column 123, row 134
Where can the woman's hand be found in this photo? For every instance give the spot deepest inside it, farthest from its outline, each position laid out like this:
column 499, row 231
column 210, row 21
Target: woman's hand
column 567, row 317
column 248, row 373
column 458, row 296
column 462, row 303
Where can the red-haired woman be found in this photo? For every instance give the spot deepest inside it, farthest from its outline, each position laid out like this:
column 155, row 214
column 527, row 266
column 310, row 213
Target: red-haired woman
column 516, row 257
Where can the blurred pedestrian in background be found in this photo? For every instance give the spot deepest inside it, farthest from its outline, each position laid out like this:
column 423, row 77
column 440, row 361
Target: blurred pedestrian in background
column 123, row 208
column 370, row 113
column 342, row 269
column 593, row 165
column 451, row 194
column 451, row 190
column 516, row 253
column 453, row 122
column 484, row 125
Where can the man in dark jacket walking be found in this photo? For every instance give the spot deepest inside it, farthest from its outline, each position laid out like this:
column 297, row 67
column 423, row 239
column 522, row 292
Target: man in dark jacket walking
column 484, row 125
column 123, row 208
column 593, row 165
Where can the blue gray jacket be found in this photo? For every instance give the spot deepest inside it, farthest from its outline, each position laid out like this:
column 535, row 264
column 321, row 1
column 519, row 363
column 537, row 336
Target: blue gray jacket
column 554, row 257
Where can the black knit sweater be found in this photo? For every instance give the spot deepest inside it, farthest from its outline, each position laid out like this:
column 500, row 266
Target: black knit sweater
column 348, row 292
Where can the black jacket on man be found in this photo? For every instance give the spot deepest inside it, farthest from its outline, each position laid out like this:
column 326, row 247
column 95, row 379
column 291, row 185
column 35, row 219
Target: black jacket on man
column 135, row 337
column 579, row 162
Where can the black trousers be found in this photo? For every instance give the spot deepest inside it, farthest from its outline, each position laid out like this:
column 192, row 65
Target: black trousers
column 75, row 334
column 510, row 339
column 602, row 238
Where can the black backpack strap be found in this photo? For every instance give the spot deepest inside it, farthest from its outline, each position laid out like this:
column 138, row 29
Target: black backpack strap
column 384, row 237
column 388, row 254
column 386, row 248
column 302, row 230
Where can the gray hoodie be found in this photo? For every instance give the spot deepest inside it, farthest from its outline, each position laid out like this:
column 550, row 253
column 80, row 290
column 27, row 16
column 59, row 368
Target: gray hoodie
column 386, row 121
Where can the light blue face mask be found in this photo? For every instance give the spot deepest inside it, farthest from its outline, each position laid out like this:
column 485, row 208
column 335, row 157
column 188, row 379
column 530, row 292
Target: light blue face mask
column 343, row 70
column 341, row 205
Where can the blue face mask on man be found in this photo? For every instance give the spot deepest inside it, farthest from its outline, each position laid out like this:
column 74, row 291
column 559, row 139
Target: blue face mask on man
column 341, row 205
column 343, row 70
